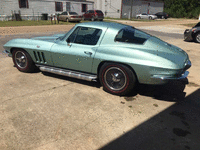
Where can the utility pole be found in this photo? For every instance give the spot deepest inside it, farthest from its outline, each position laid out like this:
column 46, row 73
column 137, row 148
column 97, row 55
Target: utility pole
column 131, row 9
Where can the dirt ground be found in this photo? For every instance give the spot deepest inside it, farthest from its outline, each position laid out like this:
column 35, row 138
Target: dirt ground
column 56, row 28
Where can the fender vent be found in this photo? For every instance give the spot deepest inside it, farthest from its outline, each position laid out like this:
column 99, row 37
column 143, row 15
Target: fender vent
column 39, row 57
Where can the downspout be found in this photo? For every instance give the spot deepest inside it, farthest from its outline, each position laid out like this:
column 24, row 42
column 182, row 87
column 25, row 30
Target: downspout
column 131, row 9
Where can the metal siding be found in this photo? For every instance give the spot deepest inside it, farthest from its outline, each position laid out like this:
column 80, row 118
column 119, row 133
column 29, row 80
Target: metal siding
column 140, row 7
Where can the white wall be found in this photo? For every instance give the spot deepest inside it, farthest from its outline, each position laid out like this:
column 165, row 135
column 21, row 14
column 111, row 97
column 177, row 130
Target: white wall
column 110, row 8
column 37, row 7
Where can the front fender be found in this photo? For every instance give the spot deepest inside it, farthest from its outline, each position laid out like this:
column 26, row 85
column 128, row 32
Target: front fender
column 37, row 49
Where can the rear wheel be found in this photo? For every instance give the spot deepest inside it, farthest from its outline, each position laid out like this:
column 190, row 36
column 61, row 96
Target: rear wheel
column 67, row 20
column 197, row 37
column 117, row 79
column 138, row 17
column 23, row 61
column 92, row 19
column 150, row 18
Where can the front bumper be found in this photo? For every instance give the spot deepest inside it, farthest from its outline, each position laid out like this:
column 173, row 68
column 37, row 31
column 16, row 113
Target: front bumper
column 188, row 35
column 6, row 52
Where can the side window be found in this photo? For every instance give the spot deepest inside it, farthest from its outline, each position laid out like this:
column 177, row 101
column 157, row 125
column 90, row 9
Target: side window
column 85, row 35
column 131, row 35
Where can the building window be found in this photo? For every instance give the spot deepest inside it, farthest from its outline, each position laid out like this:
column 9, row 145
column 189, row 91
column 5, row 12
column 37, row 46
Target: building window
column 23, row 4
column 84, row 7
column 59, row 6
column 68, row 6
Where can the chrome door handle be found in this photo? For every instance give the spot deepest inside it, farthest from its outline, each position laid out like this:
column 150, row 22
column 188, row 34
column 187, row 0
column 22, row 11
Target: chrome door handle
column 86, row 52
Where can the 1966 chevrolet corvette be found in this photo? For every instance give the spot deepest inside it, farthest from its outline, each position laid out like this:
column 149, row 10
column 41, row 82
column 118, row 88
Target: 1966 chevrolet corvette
column 118, row 55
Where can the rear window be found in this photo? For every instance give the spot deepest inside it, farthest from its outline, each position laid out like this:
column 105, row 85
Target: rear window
column 73, row 13
column 99, row 11
column 131, row 35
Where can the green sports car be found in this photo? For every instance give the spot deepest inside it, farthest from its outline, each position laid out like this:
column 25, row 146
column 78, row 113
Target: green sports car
column 118, row 55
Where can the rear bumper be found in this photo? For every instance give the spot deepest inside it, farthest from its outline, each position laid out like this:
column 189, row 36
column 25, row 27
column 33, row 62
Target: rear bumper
column 165, row 79
column 162, row 79
column 75, row 19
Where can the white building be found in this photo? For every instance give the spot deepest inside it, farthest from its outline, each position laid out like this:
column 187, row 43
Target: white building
column 122, row 8
column 33, row 9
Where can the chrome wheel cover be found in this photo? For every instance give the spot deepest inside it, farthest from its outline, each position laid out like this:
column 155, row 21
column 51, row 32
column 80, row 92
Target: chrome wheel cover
column 21, row 59
column 115, row 78
column 198, row 38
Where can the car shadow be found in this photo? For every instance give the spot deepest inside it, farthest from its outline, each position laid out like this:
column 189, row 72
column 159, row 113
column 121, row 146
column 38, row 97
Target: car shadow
column 175, row 128
column 172, row 91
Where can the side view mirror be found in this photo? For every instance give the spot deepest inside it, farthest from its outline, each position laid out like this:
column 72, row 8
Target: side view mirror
column 68, row 40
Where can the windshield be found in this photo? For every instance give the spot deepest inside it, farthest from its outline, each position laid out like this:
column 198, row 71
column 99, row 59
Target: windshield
column 62, row 37
column 99, row 11
column 73, row 13
column 197, row 25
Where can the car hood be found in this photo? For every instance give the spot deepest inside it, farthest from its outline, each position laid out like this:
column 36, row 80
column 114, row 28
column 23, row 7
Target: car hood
column 167, row 51
column 49, row 38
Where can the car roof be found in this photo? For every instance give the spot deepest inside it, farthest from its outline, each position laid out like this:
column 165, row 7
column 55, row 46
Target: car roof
column 100, row 24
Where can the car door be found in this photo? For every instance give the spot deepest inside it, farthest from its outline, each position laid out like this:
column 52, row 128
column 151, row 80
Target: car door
column 144, row 16
column 79, row 50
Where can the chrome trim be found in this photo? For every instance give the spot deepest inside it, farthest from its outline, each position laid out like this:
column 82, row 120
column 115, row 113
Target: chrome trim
column 68, row 73
column 6, row 52
column 183, row 76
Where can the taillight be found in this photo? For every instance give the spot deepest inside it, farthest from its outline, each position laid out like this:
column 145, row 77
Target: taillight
column 73, row 16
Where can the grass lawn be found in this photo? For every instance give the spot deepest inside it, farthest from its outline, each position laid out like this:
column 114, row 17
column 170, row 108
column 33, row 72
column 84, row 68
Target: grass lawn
column 190, row 25
column 37, row 23
column 31, row 23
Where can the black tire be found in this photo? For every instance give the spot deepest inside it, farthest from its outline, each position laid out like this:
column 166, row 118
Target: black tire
column 117, row 79
column 92, row 19
column 197, row 37
column 23, row 61
column 67, row 20
column 150, row 18
column 101, row 19
column 138, row 17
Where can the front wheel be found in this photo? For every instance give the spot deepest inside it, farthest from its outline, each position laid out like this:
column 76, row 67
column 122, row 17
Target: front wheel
column 197, row 37
column 117, row 79
column 23, row 61
column 150, row 18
